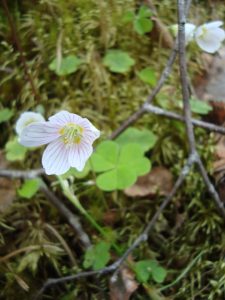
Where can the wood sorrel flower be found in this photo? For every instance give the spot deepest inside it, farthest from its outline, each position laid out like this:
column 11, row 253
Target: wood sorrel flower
column 27, row 118
column 209, row 36
column 70, row 140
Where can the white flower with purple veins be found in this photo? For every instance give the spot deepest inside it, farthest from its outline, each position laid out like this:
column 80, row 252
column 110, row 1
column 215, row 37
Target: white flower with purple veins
column 70, row 138
column 209, row 36
column 27, row 118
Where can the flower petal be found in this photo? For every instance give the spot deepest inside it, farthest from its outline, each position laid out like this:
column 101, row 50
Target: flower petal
column 91, row 133
column 189, row 32
column 64, row 117
column 209, row 39
column 208, row 46
column 79, row 154
column 214, row 24
column 26, row 119
column 38, row 134
column 218, row 34
column 55, row 158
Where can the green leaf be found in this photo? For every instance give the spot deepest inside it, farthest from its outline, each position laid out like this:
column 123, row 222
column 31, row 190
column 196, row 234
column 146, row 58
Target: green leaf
column 200, row 107
column 131, row 156
column 14, row 150
column 5, row 114
column 159, row 274
column 97, row 256
column 145, row 138
column 105, row 157
column 143, row 270
column 118, row 178
column 144, row 12
column 128, row 17
column 29, row 188
column 143, row 25
column 148, row 76
column 68, row 65
column 118, row 61
column 121, row 165
column 147, row 269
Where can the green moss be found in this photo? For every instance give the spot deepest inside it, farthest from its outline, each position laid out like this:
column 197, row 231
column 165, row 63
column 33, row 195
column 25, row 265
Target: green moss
column 49, row 29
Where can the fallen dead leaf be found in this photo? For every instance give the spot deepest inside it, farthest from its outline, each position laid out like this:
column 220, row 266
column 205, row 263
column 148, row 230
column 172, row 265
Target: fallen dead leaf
column 158, row 181
column 124, row 286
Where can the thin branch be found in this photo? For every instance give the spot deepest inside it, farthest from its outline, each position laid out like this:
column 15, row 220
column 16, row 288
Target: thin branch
column 141, row 238
column 184, row 75
column 211, row 187
column 164, row 75
column 135, row 116
column 21, row 174
column 187, row 108
column 171, row 115
column 20, row 50
column 72, row 219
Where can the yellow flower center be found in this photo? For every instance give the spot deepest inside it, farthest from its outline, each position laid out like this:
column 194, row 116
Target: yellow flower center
column 204, row 32
column 71, row 134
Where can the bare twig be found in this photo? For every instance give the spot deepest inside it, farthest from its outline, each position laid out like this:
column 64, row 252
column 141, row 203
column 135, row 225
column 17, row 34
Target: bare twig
column 135, row 116
column 184, row 75
column 171, row 115
column 164, row 75
column 187, row 109
column 72, row 219
column 193, row 155
column 21, row 174
column 141, row 238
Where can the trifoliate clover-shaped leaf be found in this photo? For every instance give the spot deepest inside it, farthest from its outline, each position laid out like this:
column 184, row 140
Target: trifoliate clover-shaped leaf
column 143, row 25
column 145, row 138
column 68, row 65
column 144, row 12
column 29, row 188
column 200, row 107
column 148, row 76
column 118, row 61
column 159, row 274
column 97, row 256
column 14, row 150
column 147, row 269
column 120, row 165
column 142, row 22
column 5, row 114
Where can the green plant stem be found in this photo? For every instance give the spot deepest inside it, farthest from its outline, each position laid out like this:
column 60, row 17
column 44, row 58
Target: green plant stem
column 184, row 273
column 75, row 201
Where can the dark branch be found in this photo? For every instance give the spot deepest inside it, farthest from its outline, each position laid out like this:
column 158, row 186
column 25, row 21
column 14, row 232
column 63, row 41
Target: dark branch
column 171, row 115
column 72, row 219
column 187, row 109
column 140, row 239
column 21, row 174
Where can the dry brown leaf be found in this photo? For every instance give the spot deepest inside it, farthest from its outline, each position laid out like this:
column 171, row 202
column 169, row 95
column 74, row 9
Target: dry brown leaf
column 124, row 286
column 158, row 181
column 7, row 189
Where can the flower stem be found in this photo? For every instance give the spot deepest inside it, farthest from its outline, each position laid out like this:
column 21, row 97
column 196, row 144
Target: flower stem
column 75, row 201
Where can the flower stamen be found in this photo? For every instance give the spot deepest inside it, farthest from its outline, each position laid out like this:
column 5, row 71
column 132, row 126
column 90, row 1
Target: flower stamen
column 71, row 134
